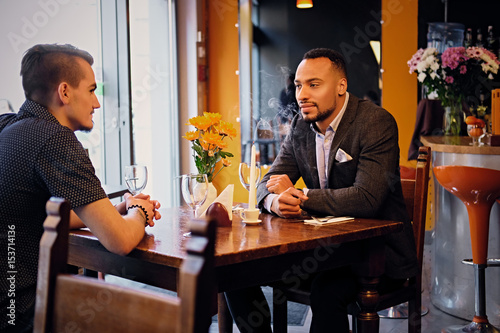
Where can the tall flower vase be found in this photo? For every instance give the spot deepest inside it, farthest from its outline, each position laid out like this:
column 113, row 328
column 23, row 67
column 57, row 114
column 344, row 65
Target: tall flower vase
column 211, row 196
column 452, row 122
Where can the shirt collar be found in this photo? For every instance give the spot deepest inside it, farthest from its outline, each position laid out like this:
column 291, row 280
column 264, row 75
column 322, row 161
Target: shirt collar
column 38, row 111
column 335, row 122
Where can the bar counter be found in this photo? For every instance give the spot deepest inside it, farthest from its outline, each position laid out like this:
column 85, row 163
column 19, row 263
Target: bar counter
column 453, row 282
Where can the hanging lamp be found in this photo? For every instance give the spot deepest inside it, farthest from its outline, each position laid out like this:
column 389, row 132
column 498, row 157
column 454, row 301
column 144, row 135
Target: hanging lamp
column 304, row 4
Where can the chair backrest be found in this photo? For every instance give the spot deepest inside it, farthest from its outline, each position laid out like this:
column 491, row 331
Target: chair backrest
column 415, row 195
column 81, row 304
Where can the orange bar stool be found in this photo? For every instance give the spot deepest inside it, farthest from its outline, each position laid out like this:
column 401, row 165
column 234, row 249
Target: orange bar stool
column 478, row 188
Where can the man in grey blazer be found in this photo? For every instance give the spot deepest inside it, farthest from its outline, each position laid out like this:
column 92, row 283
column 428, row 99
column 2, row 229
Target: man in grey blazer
column 346, row 150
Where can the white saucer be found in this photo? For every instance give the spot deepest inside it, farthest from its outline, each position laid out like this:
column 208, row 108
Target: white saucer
column 252, row 222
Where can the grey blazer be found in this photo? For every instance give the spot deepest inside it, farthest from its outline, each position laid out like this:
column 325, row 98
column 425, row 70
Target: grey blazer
column 368, row 185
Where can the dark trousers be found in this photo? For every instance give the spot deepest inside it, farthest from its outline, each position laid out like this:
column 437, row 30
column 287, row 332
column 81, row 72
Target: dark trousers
column 331, row 293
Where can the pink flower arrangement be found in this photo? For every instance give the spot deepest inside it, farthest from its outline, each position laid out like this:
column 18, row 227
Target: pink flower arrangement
column 453, row 56
column 457, row 75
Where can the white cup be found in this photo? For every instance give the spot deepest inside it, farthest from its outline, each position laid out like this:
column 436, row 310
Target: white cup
column 250, row 214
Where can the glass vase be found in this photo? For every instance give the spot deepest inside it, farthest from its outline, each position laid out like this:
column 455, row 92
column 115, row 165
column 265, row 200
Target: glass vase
column 452, row 122
column 211, row 196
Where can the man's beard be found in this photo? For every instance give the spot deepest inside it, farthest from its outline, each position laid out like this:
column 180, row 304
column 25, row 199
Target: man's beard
column 320, row 116
column 85, row 129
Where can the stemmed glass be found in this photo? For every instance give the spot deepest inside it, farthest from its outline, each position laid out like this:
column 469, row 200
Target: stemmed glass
column 244, row 171
column 136, row 178
column 194, row 190
column 476, row 133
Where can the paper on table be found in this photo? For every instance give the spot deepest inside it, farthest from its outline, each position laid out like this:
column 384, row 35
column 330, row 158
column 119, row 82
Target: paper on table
column 225, row 198
column 328, row 220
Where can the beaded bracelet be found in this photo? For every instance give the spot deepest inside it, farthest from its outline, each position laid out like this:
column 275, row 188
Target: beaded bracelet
column 143, row 210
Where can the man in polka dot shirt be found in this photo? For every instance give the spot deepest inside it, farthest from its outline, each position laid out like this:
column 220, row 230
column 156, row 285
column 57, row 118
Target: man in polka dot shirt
column 41, row 157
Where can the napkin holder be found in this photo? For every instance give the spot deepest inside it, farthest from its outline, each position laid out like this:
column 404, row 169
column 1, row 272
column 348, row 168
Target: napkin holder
column 218, row 212
column 226, row 199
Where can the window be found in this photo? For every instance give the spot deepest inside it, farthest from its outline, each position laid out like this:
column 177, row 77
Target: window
column 155, row 124
column 133, row 46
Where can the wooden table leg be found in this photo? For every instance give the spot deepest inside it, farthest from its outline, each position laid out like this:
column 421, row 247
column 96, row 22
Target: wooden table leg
column 369, row 272
column 367, row 319
column 224, row 316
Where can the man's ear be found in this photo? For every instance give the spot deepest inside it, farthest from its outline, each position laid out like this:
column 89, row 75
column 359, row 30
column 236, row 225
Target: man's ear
column 63, row 92
column 342, row 86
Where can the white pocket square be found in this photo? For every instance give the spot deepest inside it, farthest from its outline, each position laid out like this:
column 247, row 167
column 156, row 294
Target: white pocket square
column 342, row 156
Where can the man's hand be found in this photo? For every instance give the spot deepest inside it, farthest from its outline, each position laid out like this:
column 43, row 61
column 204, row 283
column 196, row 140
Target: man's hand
column 278, row 184
column 156, row 204
column 289, row 203
column 144, row 200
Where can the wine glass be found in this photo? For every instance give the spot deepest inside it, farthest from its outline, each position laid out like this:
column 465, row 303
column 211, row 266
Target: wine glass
column 244, row 171
column 136, row 178
column 194, row 190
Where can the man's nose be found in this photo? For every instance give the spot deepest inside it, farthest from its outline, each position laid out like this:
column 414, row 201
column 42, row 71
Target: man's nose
column 302, row 94
column 96, row 104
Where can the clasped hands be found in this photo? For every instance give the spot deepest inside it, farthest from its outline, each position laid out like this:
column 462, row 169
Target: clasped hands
column 144, row 200
column 287, row 204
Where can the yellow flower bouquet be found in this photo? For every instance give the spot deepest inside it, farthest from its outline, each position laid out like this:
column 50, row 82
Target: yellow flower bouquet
column 208, row 142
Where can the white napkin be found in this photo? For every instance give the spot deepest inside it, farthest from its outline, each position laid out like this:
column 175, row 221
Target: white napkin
column 328, row 220
column 225, row 198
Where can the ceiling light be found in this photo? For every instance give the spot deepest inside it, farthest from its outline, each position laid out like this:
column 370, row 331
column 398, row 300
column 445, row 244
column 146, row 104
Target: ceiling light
column 304, row 4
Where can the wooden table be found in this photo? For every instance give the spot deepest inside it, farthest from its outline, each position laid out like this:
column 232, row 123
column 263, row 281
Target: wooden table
column 247, row 255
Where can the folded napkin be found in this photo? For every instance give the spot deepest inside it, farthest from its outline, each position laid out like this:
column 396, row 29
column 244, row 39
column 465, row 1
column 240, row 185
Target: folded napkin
column 327, row 220
column 225, row 198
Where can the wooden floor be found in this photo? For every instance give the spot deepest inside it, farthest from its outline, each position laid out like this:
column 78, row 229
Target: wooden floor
column 433, row 322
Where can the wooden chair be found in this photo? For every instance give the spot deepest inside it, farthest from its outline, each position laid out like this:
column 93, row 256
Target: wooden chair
column 415, row 196
column 80, row 304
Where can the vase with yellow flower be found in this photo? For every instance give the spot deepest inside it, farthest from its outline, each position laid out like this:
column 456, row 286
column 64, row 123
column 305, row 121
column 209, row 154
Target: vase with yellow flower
column 208, row 141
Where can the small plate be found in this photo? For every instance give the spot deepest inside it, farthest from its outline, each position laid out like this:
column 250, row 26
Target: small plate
column 252, row 222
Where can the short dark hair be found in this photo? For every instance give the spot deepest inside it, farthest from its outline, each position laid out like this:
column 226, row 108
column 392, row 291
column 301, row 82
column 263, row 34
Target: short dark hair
column 335, row 57
column 44, row 66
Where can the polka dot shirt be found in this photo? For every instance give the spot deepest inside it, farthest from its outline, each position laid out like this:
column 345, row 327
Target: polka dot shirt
column 39, row 158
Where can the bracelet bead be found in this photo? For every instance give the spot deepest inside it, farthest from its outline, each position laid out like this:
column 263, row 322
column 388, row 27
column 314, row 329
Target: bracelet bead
column 143, row 210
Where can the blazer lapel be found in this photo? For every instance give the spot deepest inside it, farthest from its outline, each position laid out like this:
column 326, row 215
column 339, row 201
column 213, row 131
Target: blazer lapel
column 311, row 158
column 343, row 128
